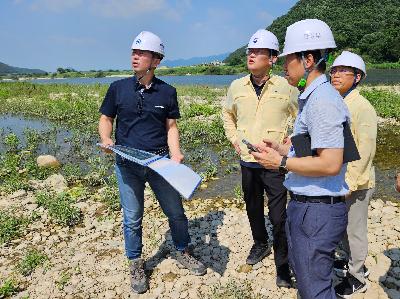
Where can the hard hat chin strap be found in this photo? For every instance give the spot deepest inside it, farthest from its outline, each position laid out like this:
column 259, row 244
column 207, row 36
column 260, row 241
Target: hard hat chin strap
column 303, row 81
column 141, row 77
column 272, row 63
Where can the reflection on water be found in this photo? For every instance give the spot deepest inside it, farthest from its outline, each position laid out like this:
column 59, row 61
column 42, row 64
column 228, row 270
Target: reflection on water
column 53, row 138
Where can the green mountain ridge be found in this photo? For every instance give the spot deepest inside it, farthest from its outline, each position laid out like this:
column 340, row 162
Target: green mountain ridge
column 369, row 28
column 7, row 69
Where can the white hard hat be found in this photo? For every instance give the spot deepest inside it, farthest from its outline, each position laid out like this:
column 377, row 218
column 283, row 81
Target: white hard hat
column 350, row 59
column 148, row 41
column 263, row 39
column 307, row 35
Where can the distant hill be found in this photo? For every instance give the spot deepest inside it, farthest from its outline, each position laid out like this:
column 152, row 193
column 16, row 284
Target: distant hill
column 7, row 69
column 370, row 28
column 194, row 60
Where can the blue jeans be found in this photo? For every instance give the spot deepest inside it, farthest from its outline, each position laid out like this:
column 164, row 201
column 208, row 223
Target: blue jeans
column 313, row 232
column 131, row 182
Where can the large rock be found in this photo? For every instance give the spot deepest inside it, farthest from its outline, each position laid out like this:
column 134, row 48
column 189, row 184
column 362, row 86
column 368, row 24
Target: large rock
column 56, row 182
column 18, row 194
column 47, row 161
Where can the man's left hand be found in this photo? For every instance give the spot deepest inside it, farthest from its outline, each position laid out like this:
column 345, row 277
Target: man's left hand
column 177, row 157
column 269, row 158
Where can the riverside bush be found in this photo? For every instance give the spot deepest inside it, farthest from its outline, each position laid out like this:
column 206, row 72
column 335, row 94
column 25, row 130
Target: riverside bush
column 8, row 288
column 32, row 259
column 59, row 207
column 11, row 226
column 387, row 104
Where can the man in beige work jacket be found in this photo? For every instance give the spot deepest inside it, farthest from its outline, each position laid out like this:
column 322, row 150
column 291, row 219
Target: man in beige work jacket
column 262, row 105
column 347, row 71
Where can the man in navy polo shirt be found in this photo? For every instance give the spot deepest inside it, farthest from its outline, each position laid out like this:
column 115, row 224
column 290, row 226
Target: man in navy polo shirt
column 146, row 110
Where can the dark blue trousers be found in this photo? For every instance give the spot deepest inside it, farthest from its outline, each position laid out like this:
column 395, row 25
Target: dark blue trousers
column 313, row 232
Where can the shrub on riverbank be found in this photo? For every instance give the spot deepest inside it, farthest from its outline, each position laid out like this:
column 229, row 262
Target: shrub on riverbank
column 60, row 208
column 11, row 226
column 387, row 104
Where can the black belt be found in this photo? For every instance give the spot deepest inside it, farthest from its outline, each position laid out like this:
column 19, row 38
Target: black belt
column 317, row 199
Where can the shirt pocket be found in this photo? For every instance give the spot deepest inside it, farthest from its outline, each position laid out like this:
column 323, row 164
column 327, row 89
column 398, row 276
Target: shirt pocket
column 278, row 101
column 277, row 134
column 244, row 105
column 159, row 111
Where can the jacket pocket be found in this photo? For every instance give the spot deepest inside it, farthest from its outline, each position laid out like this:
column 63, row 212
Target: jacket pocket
column 275, row 134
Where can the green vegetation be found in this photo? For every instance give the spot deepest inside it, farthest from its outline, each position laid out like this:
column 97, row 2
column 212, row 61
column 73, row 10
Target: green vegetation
column 8, row 288
column 369, row 28
column 60, row 207
column 11, row 226
column 109, row 195
column 7, row 69
column 75, row 108
column 232, row 290
column 63, row 280
column 387, row 144
column 387, row 104
column 202, row 70
column 33, row 259
column 18, row 165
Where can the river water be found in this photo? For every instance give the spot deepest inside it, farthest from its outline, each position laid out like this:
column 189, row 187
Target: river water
column 378, row 76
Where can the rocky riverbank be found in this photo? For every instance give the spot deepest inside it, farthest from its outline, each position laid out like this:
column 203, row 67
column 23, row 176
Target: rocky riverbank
column 87, row 261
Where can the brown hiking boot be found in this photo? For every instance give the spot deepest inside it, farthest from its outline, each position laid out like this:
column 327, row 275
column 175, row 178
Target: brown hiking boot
column 139, row 283
column 190, row 262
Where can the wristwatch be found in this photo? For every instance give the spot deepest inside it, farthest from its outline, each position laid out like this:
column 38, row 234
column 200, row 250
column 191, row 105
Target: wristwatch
column 282, row 168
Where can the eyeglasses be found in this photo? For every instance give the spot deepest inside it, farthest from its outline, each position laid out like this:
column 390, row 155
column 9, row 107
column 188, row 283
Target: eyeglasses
column 256, row 51
column 140, row 102
column 333, row 71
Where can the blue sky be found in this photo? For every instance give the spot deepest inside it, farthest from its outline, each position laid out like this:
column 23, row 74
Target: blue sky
column 97, row 34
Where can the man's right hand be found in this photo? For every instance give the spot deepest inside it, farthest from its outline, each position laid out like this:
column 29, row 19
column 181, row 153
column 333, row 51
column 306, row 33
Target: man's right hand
column 237, row 147
column 272, row 144
column 398, row 182
column 105, row 143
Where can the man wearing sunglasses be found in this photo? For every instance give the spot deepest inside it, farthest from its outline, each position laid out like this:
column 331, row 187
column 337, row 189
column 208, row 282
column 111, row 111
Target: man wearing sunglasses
column 261, row 105
column 146, row 110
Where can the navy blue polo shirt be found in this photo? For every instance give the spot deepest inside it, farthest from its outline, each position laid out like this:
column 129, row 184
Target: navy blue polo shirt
column 146, row 130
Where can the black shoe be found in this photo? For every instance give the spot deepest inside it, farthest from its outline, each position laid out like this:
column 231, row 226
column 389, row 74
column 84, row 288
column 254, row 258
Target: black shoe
column 341, row 268
column 350, row 286
column 257, row 254
column 139, row 282
column 284, row 278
